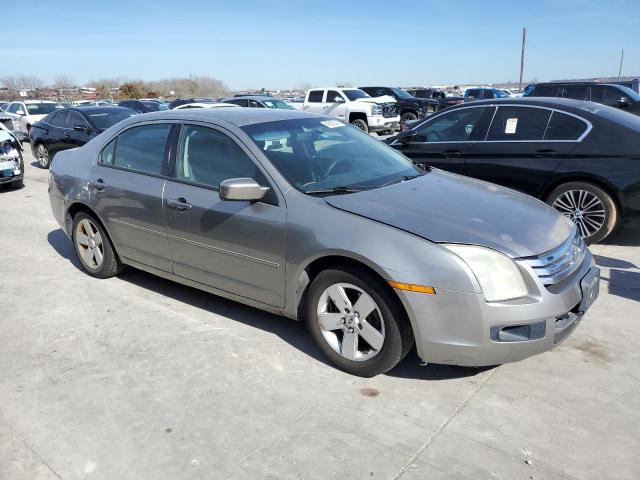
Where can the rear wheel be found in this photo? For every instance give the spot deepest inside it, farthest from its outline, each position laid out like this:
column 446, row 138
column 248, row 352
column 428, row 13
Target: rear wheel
column 93, row 247
column 360, row 124
column 43, row 156
column 588, row 206
column 356, row 322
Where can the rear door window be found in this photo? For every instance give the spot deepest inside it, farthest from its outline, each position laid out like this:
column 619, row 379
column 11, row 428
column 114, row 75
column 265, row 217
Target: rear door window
column 518, row 123
column 59, row 119
column 564, row 127
column 315, row 96
column 76, row 119
column 139, row 148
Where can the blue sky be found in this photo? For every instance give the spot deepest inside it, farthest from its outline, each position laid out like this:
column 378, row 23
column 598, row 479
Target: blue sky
column 285, row 43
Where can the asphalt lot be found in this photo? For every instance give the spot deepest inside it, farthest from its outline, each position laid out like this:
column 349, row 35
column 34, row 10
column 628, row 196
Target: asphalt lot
column 136, row 377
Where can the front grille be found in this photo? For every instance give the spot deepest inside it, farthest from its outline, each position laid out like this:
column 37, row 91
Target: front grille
column 388, row 110
column 554, row 266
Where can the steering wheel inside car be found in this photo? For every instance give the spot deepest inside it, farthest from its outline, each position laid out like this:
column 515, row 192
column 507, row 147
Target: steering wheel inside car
column 334, row 164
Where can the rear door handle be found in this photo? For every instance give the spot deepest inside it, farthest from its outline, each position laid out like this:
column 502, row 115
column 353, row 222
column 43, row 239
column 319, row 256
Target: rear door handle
column 180, row 204
column 545, row 153
column 98, row 184
column 452, row 153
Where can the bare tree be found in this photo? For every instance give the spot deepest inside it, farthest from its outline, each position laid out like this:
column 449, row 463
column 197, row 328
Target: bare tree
column 22, row 82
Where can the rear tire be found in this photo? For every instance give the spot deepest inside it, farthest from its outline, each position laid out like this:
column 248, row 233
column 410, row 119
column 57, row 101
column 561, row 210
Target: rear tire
column 93, row 247
column 383, row 337
column 360, row 124
column 587, row 205
column 43, row 156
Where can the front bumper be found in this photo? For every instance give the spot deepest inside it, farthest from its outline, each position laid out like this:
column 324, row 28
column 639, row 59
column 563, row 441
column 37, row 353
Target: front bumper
column 378, row 123
column 460, row 328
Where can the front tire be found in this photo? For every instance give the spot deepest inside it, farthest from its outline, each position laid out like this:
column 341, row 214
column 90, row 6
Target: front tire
column 93, row 247
column 43, row 156
column 360, row 124
column 356, row 321
column 591, row 208
column 408, row 117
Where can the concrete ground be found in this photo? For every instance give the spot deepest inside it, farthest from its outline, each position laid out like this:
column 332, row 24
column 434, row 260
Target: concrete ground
column 139, row 378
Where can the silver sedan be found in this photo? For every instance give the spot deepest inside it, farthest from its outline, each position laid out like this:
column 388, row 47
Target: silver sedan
column 305, row 216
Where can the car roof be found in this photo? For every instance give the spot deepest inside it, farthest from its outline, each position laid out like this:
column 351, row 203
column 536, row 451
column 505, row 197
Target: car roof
column 257, row 96
column 548, row 102
column 35, row 101
column 90, row 109
column 236, row 116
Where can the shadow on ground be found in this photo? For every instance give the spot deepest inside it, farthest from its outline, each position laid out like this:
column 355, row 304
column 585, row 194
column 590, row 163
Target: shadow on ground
column 292, row 332
column 622, row 277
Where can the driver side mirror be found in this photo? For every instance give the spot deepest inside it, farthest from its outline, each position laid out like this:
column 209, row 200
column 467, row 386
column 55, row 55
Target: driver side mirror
column 21, row 112
column 623, row 102
column 338, row 99
column 242, row 189
column 409, row 136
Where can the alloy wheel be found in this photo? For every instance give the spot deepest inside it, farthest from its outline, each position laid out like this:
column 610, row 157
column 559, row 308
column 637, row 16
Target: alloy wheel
column 90, row 244
column 584, row 209
column 351, row 322
column 43, row 155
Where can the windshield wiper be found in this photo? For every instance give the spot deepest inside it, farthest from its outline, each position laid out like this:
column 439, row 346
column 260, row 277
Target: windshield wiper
column 404, row 178
column 334, row 190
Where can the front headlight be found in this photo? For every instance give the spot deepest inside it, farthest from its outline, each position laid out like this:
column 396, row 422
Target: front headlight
column 376, row 110
column 497, row 274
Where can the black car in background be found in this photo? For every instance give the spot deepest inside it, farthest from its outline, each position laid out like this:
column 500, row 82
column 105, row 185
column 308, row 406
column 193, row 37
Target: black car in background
column 439, row 95
column 580, row 157
column 71, row 128
column 606, row 93
column 259, row 101
column 410, row 108
column 143, row 106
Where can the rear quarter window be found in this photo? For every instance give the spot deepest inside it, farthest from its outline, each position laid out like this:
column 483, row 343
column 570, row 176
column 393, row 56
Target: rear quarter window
column 564, row 127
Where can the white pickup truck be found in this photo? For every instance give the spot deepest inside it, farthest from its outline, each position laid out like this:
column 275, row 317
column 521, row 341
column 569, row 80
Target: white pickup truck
column 355, row 107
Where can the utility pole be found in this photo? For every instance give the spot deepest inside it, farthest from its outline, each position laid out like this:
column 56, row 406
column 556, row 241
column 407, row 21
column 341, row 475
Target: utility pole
column 620, row 69
column 524, row 39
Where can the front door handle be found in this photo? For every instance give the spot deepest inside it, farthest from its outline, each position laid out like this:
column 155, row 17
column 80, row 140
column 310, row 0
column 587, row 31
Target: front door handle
column 98, row 185
column 545, row 153
column 452, row 153
column 180, row 204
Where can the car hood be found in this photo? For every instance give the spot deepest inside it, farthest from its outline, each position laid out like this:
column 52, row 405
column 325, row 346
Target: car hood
column 382, row 99
column 448, row 208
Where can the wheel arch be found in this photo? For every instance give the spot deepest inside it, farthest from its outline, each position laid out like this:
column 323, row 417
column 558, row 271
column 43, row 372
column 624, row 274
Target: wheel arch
column 78, row 207
column 358, row 116
column 339, row 260
column 581, row 177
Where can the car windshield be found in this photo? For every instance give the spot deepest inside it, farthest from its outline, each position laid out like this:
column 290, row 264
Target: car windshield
column 355, row 94
column 104, row 120
column 41, row 108
column 278, row 104
column 319, row 155
column 401, row 93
